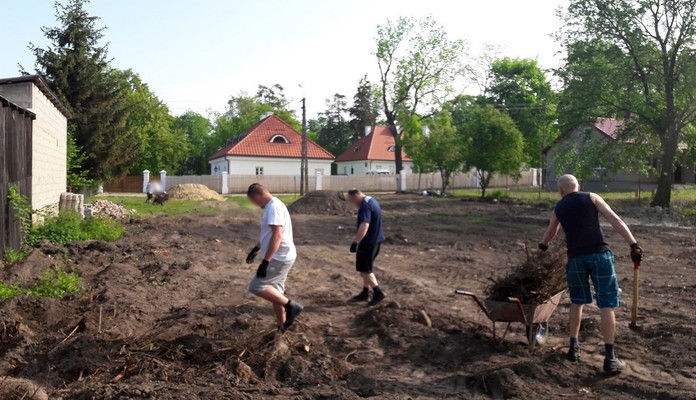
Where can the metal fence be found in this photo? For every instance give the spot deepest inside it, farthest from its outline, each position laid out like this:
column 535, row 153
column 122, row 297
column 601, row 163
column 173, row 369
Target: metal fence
column 15, row 167
column 238, row 184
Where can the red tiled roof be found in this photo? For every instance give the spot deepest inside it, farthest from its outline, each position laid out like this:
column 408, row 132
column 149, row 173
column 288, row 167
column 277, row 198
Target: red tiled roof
column 374, row 146
column 256, row 142
column 609, row 126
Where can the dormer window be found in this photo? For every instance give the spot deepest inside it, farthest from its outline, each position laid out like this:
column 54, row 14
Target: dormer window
column 356, row 149
column 392, row 149
column 279, row 139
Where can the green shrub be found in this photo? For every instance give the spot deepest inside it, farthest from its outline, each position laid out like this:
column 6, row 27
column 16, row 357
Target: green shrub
column 498, row 194
column 69, row 227
column 12, row 256
column 7, row 291
column 56, row 284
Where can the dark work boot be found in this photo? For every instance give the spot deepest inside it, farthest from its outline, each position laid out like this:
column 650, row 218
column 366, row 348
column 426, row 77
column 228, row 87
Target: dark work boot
column 377, row 296
column 363, row 296
column 573, row 354
column 292, row 311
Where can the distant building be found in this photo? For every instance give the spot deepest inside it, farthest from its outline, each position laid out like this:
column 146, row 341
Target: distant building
column 49, row 138
column 271, row 147
column 608, row 129
column 373, row 153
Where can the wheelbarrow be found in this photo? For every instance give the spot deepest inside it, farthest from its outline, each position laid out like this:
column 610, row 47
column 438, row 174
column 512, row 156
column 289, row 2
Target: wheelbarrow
column 535, row 317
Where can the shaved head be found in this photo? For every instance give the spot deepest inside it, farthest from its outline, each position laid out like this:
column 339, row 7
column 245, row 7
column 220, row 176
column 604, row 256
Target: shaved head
column 568, row 184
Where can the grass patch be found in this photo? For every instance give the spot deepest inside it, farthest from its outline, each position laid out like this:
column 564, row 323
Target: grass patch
column 184, row 207
column 53, row 283
column 70, row 227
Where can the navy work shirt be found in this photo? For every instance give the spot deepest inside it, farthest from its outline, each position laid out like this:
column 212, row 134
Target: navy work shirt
column 371, row 213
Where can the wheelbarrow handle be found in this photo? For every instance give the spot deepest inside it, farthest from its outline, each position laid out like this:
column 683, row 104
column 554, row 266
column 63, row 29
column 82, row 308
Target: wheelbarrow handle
column 520, row 309
column 477, row 300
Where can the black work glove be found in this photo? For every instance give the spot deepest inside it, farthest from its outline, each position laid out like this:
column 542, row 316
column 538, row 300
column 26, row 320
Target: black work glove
column 636, row 253
column 252, row 254
column 543, row 246
column 261, row 272
column 354, row 247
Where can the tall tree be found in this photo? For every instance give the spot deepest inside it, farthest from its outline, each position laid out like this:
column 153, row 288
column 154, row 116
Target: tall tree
column 365, row 107
column 418, row 64
column 76, row 67
column 243, row 111
column 335, row 133
column 521, row 88
column 654, row 45
column 197, row 129
column 493, row 142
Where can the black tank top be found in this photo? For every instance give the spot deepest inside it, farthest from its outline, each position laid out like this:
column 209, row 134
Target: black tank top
column 580, row 221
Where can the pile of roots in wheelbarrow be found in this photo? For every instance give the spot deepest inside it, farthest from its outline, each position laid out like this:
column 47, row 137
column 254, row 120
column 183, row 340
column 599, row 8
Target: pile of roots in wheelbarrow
column 536, row 280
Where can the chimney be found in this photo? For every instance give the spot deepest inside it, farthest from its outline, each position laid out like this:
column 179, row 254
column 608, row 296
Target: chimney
column 368, row 130
column 426, row 131
column 265, row 115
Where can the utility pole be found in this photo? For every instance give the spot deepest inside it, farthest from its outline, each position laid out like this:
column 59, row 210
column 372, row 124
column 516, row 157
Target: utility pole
column 304, row 180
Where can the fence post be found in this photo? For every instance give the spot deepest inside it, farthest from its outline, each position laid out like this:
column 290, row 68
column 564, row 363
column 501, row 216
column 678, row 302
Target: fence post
column 402, row 176
column 146, row 180
column 163, row 179
column 319, row 182
column 225, row 182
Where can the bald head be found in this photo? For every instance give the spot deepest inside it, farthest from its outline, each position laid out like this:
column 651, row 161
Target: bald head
column 568, row 184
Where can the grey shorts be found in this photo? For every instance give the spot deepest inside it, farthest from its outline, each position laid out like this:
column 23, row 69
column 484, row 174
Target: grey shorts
column 276, row 274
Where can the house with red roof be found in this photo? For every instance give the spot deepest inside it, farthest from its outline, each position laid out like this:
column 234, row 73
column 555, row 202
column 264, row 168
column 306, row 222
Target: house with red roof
column 607, row 130
column 270, row 147
column 373, row 153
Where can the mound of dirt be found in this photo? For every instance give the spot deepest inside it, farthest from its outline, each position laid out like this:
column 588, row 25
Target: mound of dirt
column 105, row 208
column 193, row 191
column 322, row 202
column 13, row 388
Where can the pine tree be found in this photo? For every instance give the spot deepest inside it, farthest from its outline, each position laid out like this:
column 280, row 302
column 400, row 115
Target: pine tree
column 365, row 107
column 76, row 67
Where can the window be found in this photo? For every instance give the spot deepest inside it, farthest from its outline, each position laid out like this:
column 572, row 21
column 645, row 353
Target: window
column 279, row 139
column 259, row 171
column 365, row 165
column 356, row 149
column 392, row 149
column 351, row 170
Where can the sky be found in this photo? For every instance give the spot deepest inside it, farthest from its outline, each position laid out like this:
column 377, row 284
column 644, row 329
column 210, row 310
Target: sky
column 196, row 54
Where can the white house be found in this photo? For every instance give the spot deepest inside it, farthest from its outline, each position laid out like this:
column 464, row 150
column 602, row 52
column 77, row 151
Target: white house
column 271, row 147
column 374, row 152
column 49, row 138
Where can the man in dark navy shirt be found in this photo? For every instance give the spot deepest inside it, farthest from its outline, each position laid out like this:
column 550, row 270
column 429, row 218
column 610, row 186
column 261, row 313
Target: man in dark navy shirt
column 589, row 258
column 366, row 244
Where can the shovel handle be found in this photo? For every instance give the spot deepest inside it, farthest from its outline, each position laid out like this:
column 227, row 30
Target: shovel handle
column 636, row 265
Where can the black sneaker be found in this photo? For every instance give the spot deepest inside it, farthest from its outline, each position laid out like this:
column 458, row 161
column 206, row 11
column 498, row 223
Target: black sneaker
column 363, row 296
column 376, row 298
column 292, row 311
column 614, row 366
column 573, row 356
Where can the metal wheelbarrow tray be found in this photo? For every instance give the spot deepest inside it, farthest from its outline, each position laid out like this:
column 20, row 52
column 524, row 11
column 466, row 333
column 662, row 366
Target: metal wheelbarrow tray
column 535, row 317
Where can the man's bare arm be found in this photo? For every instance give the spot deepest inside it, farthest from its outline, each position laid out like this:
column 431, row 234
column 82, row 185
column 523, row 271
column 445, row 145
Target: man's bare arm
column 274, row 245
column 362, row 231
column 615, row 221
column 552, row 230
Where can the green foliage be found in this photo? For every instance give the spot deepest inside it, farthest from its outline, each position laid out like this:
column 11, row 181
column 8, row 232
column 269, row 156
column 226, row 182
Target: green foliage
column 21, row 207
column 634, row 59
column 494, row 144
column 69, row 227
column 197, row 129
column 418, row 65
column 53, row 283
column 521, row 88
column 243, row 111
column 333, row 130
column 159, row 144
column 12, row 256
column 442, row 150
column 78, row 177
column 77, row 68
column 499, row 194
column 366, row 106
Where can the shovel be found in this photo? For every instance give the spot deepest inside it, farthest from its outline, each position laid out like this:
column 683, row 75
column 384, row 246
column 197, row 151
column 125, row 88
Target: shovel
column 634, row 309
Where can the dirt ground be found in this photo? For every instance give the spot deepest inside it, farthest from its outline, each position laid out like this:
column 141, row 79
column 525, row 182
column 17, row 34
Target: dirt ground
column 166, row 315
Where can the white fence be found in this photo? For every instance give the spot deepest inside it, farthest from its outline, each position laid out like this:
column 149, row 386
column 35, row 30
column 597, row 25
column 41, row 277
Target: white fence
column 370, row 183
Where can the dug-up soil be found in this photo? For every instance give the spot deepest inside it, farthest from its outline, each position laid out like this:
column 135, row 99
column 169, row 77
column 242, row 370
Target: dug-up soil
column 165, row 315
column 193, row 191
column 322, row 202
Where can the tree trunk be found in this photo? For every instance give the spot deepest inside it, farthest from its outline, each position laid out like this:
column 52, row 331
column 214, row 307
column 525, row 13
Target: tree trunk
column 445, row 181
column 663, row 195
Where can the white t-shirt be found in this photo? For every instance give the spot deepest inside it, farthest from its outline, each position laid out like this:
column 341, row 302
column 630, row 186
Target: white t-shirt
column 275, row 213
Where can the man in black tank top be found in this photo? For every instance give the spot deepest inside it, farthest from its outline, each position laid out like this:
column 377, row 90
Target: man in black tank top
column 589, row 258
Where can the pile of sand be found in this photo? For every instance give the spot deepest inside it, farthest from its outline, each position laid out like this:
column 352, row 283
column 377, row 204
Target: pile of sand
column 193, row 191
column 322, row 203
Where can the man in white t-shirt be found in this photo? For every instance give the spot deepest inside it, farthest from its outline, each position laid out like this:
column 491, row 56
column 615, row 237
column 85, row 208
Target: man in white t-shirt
column 278, row 250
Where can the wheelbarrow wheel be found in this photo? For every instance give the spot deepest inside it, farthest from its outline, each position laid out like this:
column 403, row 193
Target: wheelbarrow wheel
column 536, row 334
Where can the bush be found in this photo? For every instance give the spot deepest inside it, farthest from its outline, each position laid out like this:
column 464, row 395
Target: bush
column 52, row 283
column 498, row 194
column 69, row 227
